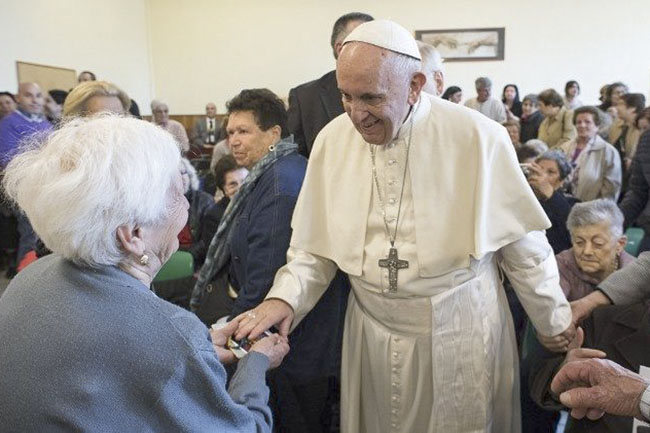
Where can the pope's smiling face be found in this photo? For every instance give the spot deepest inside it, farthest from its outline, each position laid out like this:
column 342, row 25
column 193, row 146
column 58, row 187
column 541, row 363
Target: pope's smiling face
column 377, row 93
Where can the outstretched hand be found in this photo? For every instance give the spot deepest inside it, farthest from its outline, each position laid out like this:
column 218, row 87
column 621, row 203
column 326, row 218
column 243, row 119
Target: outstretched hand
column 577, row 353
column 596, row 386
column 272, row 312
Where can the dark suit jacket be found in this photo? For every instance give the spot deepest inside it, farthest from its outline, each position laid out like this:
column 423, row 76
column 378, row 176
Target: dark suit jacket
column 623, row 333
column 200, row 132
column 312, row 106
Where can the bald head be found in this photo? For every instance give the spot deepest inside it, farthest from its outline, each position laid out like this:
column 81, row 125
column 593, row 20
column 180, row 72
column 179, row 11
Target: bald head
column 30, row 98
column 211, row 110
column 378, row 88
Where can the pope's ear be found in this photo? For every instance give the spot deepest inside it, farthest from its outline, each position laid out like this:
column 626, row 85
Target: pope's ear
column 415, row 87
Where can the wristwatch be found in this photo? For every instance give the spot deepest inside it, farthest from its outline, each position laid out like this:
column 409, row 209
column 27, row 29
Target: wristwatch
column 644, row 405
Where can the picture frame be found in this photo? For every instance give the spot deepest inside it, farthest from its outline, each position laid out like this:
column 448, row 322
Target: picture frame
column 466, row 45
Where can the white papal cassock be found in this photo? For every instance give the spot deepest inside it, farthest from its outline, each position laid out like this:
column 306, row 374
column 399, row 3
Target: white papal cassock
column 439, row 354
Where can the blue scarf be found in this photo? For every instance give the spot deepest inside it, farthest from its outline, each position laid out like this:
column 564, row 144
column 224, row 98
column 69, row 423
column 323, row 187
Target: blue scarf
column 218, row 253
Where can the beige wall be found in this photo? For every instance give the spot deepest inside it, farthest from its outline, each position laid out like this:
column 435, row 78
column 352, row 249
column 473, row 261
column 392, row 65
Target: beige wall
column 109, row 38
column 193, row 51
column 282, row 43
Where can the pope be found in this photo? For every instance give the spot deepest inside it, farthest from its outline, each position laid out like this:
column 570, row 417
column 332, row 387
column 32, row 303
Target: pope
column 423, row 204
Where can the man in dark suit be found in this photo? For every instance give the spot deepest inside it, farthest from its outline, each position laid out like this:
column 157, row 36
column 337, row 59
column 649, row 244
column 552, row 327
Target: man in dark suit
column 312, row 105
column 621, row 334
column 207, row 129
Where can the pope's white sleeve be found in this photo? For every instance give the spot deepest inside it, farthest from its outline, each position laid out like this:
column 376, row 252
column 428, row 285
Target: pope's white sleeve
column 302, row 281
column 530, row 266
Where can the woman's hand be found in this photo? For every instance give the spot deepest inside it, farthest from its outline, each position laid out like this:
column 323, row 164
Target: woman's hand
column 583, row 307
column 577, row 353
column 275, row 347
column 538, row 180
column 220, row 339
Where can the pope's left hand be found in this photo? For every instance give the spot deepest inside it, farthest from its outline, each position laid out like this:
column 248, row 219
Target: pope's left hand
column 560, row 342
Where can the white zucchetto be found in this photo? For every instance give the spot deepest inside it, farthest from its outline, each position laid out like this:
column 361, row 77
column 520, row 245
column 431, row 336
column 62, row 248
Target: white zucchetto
column 386, row 34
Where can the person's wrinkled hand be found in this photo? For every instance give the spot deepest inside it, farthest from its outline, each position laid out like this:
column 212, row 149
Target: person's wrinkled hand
column 560, row 342
column 582, row 308
column 275, row 347
column 272, row 312
column 577, row 353
column 596, row 386
column 220, row 339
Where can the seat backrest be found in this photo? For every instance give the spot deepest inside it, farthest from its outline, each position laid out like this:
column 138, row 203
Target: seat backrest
column 180, row 265
column 634, row 237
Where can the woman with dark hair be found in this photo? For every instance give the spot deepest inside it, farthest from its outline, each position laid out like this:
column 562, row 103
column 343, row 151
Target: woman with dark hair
column 453, row 94
column 530, row 118
column 642, row 121
column 557, row 127
column 571, row 92
column 54, row 105
column 510, row 99
column 613, row 95
column 252, row 242
column 624, row 135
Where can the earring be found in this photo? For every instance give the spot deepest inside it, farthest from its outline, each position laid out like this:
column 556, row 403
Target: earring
column 144, row 259
column 272, row 148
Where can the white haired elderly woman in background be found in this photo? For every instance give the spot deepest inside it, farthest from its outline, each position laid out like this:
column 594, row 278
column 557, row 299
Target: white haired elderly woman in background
column 86, row 345
column 598, row 243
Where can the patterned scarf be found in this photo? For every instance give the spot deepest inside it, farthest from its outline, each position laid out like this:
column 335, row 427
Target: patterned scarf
column 218, row 252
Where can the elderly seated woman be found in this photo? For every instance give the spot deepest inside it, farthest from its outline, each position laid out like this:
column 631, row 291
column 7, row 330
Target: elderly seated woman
column 596, row 229
column 597, row 165
column 546, row 177
column 86, row 346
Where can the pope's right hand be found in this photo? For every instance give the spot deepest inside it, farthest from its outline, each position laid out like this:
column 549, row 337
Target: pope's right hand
column 272, row 312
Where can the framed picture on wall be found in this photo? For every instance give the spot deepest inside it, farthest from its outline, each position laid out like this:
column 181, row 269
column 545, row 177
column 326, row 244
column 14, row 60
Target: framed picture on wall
column 462, row 45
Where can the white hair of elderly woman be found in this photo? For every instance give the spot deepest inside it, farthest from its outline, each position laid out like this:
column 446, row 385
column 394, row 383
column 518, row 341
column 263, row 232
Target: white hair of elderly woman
column 596, row 212
column 90, row 177
column 191, row 173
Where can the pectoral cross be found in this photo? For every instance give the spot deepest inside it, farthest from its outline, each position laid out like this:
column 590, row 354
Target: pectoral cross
column 394, row 264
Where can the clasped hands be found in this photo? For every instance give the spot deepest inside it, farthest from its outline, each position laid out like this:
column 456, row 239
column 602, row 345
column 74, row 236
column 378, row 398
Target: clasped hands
column 252, row 324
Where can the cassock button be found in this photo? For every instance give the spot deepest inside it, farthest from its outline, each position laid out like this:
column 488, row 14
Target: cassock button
column 391, row 161
column 391, row 200
column 391, row 182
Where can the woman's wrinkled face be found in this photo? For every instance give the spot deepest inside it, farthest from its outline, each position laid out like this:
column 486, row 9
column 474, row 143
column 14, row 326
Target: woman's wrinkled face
column 233, row 180
column 163, row 236
column 594, row 248
column 586, row 126
column 552, row 172
column 246, row 140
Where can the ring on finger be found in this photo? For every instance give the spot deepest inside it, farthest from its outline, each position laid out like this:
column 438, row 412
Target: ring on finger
column 251, row 315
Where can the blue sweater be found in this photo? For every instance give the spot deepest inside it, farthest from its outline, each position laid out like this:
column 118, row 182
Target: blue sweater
column 16, row 127
column 95, row 350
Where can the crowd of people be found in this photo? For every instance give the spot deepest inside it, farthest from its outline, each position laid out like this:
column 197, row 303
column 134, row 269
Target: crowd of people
column 368, row 279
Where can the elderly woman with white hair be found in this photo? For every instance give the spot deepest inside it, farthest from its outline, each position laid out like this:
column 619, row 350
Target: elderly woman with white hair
column 86, row 345
column 598, row 243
